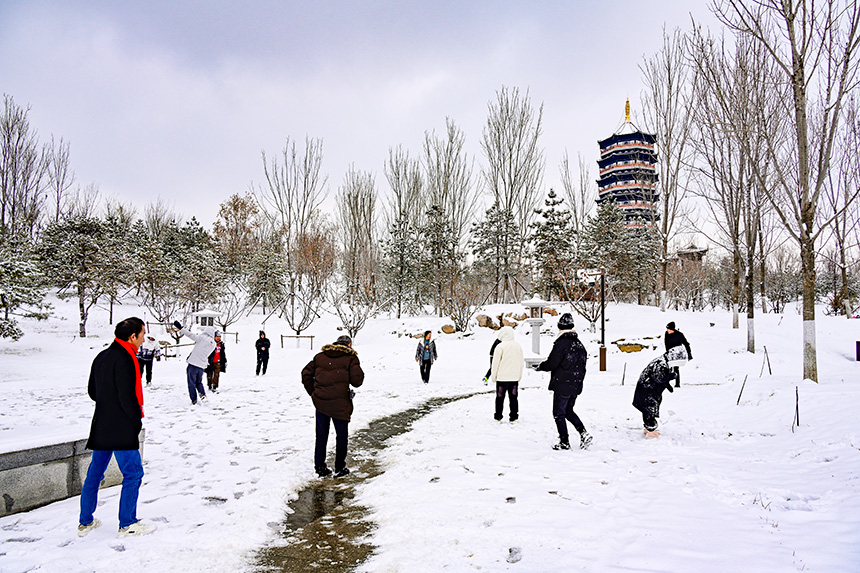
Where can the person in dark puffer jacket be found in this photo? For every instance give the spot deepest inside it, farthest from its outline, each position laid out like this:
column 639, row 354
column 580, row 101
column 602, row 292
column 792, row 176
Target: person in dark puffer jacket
column 566, row 362
column 327, row 379
column 655, row 378
column 673, row 339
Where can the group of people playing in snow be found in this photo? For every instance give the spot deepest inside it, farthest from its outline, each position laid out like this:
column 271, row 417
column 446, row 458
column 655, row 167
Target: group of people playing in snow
column 115, row 386
column 208, row 357
column 566, row 365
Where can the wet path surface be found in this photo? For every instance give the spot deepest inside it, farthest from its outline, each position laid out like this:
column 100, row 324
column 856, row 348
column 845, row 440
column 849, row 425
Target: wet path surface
column 327, row 530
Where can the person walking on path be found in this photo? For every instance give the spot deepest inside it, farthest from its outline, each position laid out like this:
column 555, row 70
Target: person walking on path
column 263, row 346
column 114, row 385
column 506, row 372
column 425, row 356
column 566, row 363
column 149, row 351
column 217, row 364
column 675, row 338
column 198, row 360
column 648, row 396
column 327, row 380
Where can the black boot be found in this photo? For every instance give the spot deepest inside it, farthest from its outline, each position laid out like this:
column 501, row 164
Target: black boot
column 323, row 471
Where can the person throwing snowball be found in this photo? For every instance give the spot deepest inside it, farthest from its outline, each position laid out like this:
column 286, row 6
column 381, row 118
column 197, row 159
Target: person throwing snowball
column 566, row 362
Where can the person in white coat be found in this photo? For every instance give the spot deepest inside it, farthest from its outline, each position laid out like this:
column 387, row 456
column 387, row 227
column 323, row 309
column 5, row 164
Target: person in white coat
column 198, row 360
column 506, row 372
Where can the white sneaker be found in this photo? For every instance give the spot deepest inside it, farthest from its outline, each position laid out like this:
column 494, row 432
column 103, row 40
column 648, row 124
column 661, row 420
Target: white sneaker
column 136, row 529
column 84, row 529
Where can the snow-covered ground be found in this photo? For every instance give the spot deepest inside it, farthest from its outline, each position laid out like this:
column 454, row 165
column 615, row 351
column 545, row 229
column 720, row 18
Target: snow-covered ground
column 726, row 487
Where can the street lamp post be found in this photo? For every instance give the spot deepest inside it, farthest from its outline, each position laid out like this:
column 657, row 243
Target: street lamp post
column 602, row 320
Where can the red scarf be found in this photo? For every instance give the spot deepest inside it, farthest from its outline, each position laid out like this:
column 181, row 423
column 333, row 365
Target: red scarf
column 138, row 388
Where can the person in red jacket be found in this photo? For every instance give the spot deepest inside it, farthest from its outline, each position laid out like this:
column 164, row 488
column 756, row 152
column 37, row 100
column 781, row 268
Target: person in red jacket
column 327, row 379
column 115, row 387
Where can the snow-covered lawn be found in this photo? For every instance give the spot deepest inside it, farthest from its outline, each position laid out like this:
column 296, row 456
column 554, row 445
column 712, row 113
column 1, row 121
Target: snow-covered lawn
column 726, row 487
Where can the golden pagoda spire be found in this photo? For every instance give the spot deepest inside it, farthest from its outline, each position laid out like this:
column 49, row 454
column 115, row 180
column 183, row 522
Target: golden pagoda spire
column 627, row 111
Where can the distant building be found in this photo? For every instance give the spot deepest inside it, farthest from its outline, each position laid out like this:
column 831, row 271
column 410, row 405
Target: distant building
column 628, row 173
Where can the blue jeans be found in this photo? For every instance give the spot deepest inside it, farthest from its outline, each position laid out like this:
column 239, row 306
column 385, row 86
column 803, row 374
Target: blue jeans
column 562, row 409
column 195, row 382
column 341, row 428
column 132, row 474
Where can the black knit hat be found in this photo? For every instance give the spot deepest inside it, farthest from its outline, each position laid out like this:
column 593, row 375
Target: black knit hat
column 671, row 326
column 565, row 322
column 344, row 340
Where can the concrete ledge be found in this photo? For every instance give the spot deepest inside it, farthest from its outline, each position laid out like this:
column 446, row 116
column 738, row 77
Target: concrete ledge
column 35, row 477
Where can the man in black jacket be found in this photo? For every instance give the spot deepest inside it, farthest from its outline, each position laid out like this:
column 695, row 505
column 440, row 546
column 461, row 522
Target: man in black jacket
column 673, row 338
column 262, row 345
column 566, row 362
column 115, row 387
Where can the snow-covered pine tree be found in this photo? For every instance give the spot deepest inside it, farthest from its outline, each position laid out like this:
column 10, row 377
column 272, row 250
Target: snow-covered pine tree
column 439, row 255
column 400, row 267
column 75, row 255
column 552, row 241
column 495, row 245
column 22, row 287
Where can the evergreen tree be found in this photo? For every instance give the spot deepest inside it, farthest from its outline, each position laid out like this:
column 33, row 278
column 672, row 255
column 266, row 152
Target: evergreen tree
column 401, row 269
column 440, row 255
column 83, row 259
column 495, row 244
column 22, row 287
column 552, row 239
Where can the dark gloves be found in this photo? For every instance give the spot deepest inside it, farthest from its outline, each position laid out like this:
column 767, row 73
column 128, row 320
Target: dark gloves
column 669, row 387
column 177, row 324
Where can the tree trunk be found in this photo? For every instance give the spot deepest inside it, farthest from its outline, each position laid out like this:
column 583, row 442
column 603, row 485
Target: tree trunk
column 750, row 301
column 83, row 310
column 807, row 272
column 736, row 287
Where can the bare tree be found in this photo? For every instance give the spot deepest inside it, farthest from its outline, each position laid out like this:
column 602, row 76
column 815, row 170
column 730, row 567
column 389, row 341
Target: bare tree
column 23, row 166
column 581, row 195
column 735, row 90
column 814, row 45
column 404, row 218
column 237, row 231
column 60, row 176
column 448, row 179
column 357, row 217
column 669, row 111
column 841, row 188
column 515, row 162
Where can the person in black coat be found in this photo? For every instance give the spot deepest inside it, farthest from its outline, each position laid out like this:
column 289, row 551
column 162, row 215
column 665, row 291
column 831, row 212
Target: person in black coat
column 217, row 363
column 566, row 362
column 655, row 378
column 263, row 346
column 674, row 338
column 115, row 387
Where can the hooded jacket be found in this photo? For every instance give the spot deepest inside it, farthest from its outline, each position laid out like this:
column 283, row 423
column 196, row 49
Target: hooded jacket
column 203, row 347
column 327, row 379
column 419, row 352
column 507, row 358
column 150, row 350
column 116, row 421
column 262, row 345
column 566, row 362
column 655, row 378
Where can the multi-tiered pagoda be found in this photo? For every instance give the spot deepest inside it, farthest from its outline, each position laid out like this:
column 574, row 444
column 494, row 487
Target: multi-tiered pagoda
column 628, row 173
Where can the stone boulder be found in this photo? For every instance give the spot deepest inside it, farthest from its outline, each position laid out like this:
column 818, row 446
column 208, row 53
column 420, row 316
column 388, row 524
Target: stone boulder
column 448, row 329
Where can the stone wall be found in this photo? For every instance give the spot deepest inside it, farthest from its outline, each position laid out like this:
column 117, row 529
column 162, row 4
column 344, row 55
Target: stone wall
column 35, row 477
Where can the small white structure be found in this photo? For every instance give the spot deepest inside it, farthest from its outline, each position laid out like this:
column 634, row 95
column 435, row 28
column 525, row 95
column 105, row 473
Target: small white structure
column 205, row 317
column 535, row 320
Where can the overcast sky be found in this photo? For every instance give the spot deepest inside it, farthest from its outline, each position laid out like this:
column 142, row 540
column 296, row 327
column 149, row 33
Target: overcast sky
column 178, row 99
